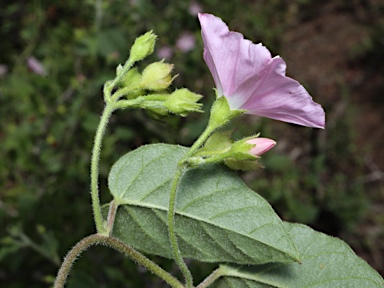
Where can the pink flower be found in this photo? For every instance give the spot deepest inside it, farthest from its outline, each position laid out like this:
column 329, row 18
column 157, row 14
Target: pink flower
column 164, row 52
column 186, row 42
column 36, row 66
column 251, row 80
column 3, row 70
column 194, row 8
column 262, row 145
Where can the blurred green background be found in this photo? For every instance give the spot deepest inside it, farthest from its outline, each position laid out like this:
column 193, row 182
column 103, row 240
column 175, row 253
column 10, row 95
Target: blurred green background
column 55, row 57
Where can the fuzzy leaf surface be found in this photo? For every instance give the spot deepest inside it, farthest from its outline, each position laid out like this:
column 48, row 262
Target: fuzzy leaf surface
column 218, row 218
column 327, row 262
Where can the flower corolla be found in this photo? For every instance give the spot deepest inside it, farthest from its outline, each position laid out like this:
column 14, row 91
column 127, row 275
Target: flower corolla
column 251, row 80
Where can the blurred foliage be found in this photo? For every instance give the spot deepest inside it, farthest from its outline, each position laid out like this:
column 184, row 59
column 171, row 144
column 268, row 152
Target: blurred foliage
column 48, row 122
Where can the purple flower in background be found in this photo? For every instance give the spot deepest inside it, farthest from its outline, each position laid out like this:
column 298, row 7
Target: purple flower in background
column 186, row 42
column 164, row 52
column 251, row 80
column 36, row 66
column 194, row 8
column 3, row 70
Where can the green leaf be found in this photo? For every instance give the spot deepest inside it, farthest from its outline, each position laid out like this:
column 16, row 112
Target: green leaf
column 326, row 262
column 218, row 219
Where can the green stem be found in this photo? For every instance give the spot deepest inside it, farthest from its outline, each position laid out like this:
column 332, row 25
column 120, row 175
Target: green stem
column 140, row 102
column 172, row 203
column 210, row 279
column 95, row 169
column 171, row 229
column 111, row 216
column 97, row 239
column 127, row 65
column 200, row 141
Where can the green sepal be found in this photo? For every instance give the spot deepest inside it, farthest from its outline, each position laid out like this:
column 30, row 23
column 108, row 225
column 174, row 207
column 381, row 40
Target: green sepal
column 243, row 165
column 157, row 113
column 240, row 149
column 217, row 143
column 221, row 113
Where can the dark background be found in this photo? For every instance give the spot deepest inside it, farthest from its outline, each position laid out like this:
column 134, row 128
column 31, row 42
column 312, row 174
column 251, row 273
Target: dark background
column 332, row 179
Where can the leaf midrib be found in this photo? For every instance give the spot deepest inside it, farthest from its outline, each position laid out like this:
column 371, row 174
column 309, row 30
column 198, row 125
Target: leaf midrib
column 194, row 217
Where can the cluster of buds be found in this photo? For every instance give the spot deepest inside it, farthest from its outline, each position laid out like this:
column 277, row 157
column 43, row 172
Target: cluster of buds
column 150, row 89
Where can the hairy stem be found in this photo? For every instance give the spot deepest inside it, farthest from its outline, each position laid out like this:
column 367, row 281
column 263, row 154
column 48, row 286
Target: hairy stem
column 200, row 141
column 95, row 169
column 111, row 216
column 210, row 279
column 171, row 229
column 97, row 239
column 172, row 204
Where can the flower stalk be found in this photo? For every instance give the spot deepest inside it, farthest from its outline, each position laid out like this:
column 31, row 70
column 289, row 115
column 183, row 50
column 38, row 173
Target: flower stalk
column 171, row 228
column 219, row 117
column 100, row 228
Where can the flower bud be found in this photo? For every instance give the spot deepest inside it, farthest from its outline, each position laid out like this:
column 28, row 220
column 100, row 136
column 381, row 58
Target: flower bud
column 131, row 78
column 262, row 145
column 157, row 76
column 244, row 153
column 157, row 113
column 183, row 101
column 143, row 47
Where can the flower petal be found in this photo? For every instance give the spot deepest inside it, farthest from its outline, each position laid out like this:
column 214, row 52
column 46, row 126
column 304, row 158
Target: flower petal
column 230, row 58
column 276, row 96
column 262, row 145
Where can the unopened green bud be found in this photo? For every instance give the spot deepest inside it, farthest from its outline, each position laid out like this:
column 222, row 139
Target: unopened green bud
column 157, row 76
column 157, row 113
column 131, row 78
column 244, row 153
column 143, row 47
column 183, row 101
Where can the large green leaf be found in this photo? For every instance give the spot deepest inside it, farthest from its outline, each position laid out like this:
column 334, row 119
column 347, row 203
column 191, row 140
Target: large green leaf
column 218, row 219
column 326, row 262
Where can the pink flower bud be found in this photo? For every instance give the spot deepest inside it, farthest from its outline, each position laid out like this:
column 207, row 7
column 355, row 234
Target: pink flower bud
column 262, row 145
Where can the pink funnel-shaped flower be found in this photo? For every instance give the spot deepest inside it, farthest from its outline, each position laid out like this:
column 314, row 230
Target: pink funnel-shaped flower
column 262, row 145
column 251, row 80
